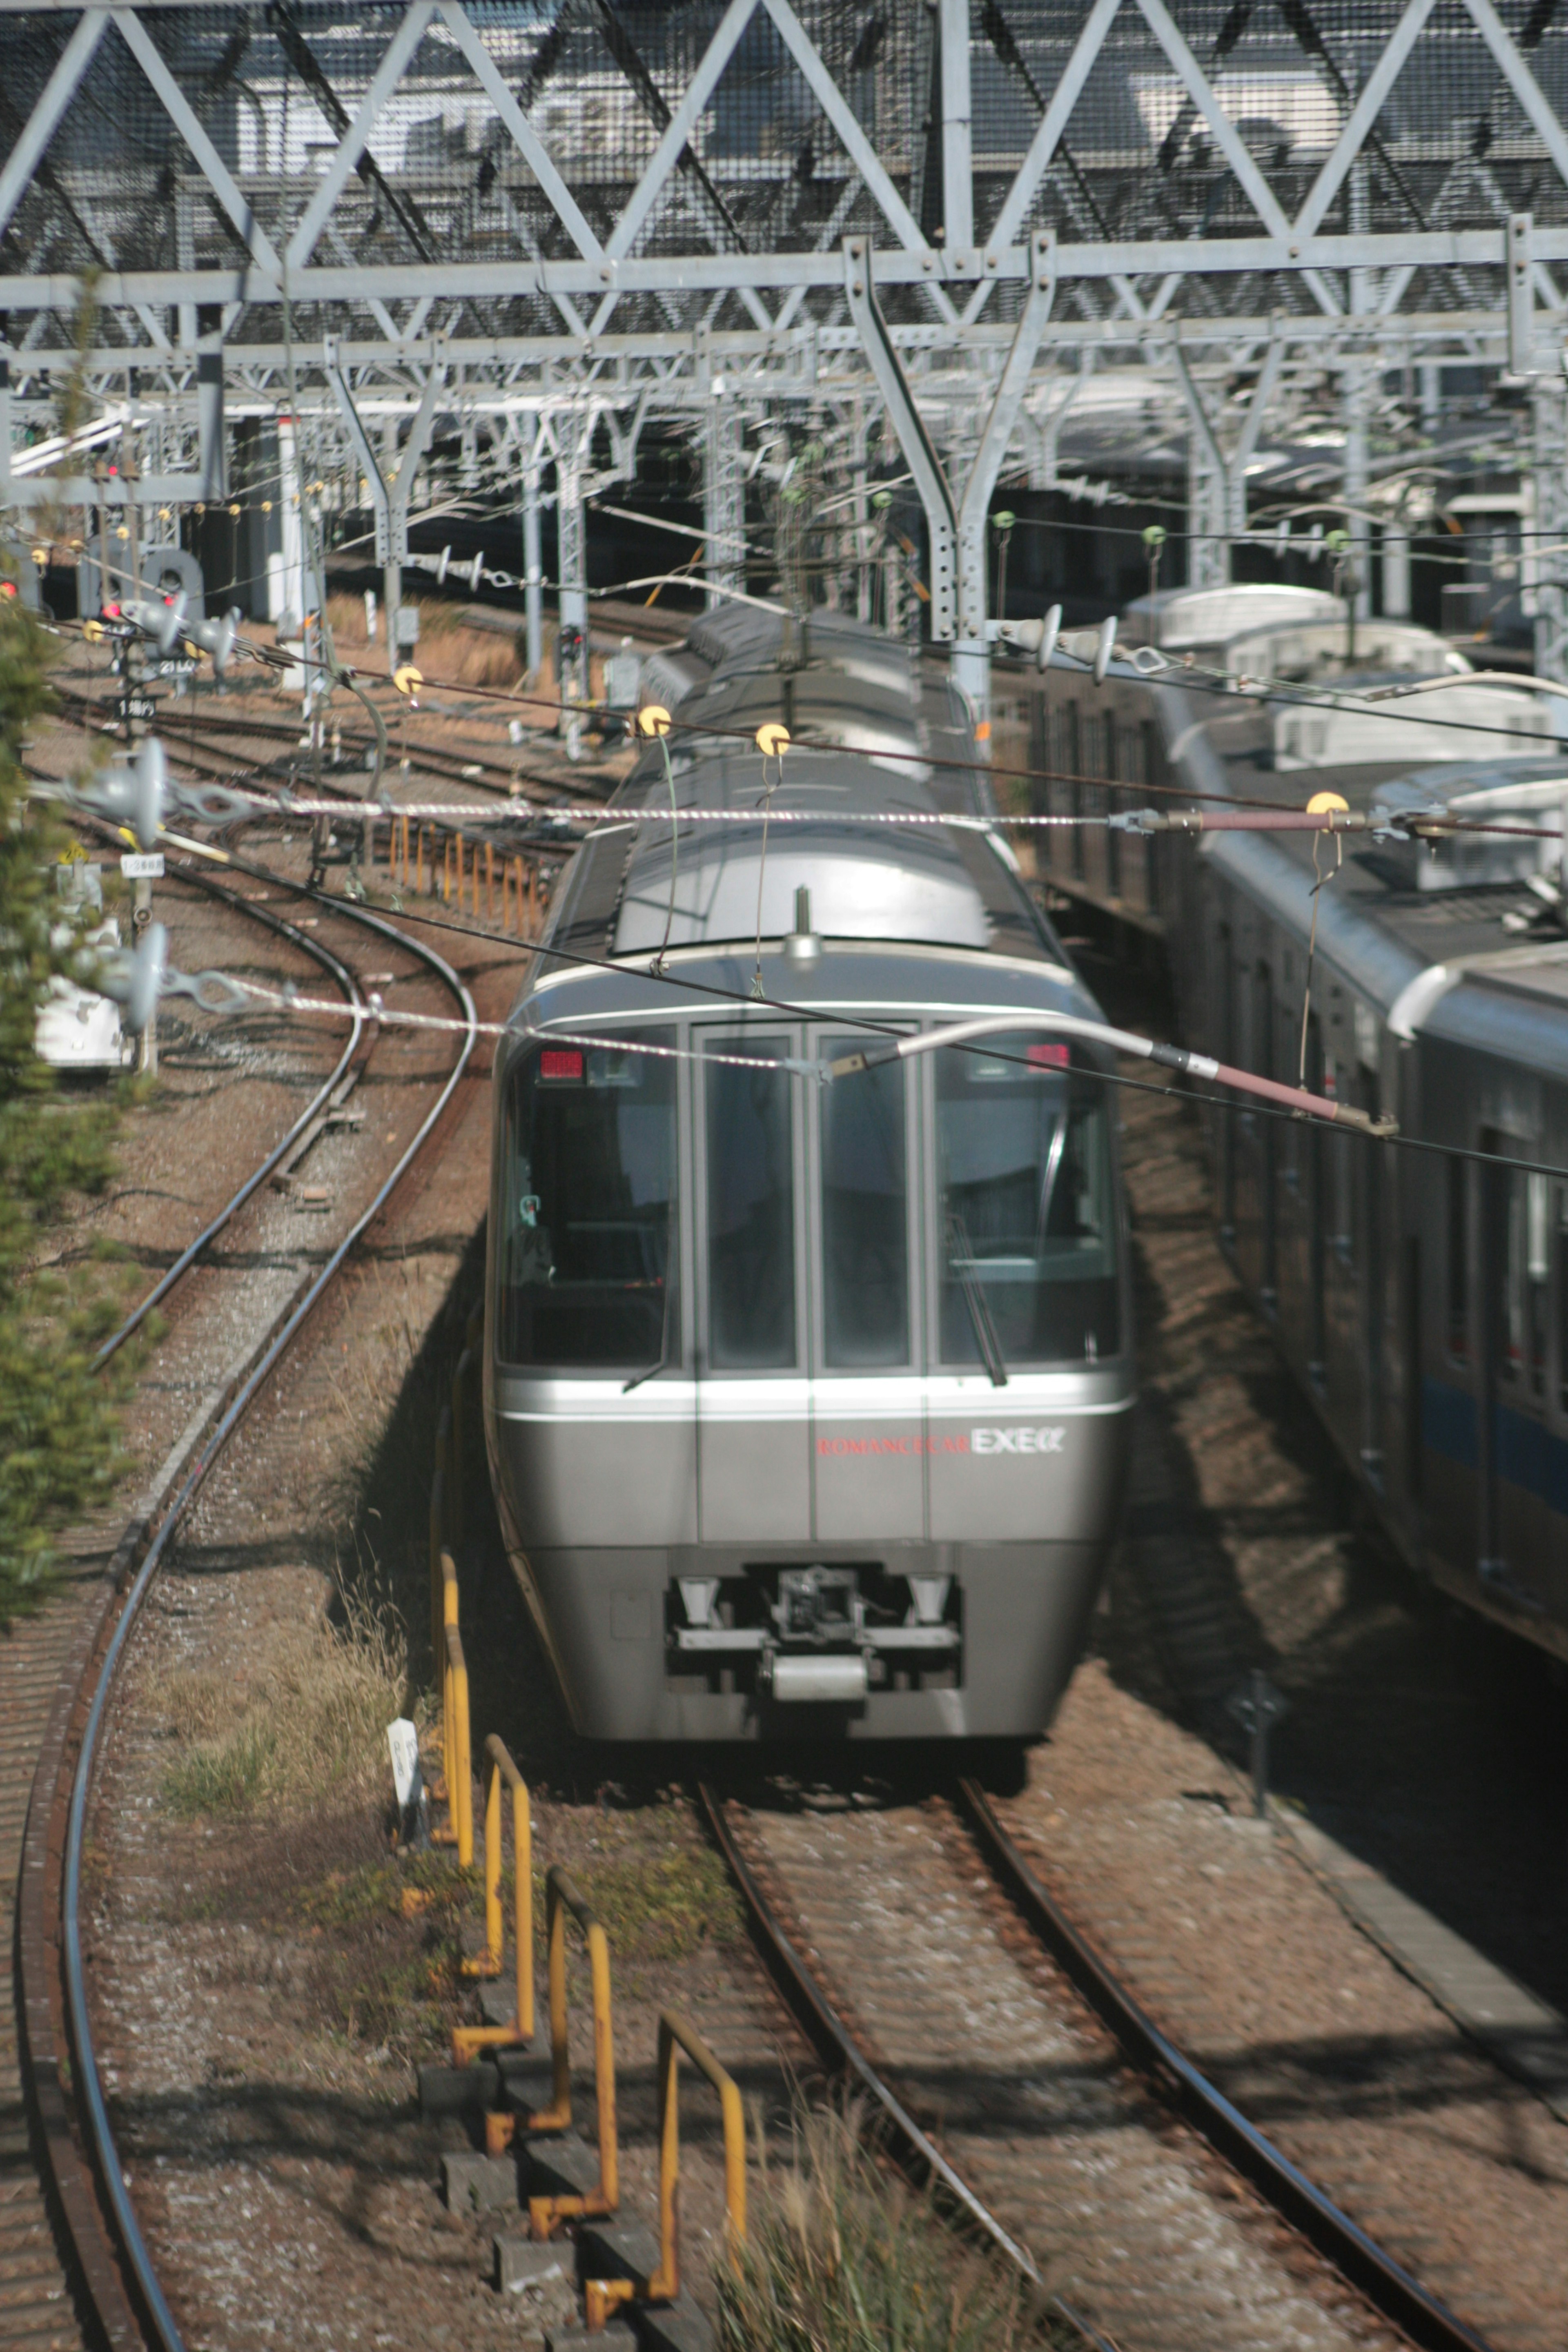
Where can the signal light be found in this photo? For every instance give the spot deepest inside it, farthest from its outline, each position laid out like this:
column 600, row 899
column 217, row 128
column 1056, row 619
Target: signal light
column 561, row 1062
column 1049, row 1057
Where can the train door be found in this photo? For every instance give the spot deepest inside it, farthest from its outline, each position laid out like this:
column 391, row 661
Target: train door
column 753, row 1407
column 1344, row 1276
column 867, row 1407
column 1516, row 1529
column 1223, row 1001
column 1448, row 1377
column 1371, row 1176
column 1313, row 1146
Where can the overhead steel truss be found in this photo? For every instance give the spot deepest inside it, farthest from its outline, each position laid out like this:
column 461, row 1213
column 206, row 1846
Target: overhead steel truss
column 554, row 214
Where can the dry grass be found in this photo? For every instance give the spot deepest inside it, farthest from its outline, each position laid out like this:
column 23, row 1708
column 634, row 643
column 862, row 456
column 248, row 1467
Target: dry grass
column 840, row 2256
column 310, row 1723
column 447, row 648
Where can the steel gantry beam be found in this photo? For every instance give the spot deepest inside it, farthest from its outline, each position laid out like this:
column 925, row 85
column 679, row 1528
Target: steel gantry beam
column 947, row 214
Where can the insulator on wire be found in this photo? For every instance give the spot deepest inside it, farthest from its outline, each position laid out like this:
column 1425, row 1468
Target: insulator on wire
column 129, row 793
column 133, row 978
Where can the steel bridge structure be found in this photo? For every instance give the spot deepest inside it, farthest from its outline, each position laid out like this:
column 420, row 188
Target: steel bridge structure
column 924, row 228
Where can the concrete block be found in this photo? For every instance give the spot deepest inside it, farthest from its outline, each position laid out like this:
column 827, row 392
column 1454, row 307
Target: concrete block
column 524, row 2262
column 458, row 2090
column 527, row 2080
column 678, row 2327
column 498, row 1999
column 559, row 2166
column 617, row 2338
column 617, row 2250
column 472, row 2183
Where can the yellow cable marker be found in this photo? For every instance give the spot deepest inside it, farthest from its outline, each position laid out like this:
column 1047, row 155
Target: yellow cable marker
column 93, row 631
column 1321, row 802
column 773, row 741
column 653, row 718
column 407, row 681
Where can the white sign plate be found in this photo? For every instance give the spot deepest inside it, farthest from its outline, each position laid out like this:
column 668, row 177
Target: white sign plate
column 139, row 868
column 404, row 1742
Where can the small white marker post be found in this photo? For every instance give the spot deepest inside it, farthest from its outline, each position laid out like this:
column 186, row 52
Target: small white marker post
column 408, row 1781
column 143, row 867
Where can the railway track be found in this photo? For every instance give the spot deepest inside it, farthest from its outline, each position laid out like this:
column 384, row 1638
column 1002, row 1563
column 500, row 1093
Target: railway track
column 468, row 768
column 913, row 1989
column 90, row 2278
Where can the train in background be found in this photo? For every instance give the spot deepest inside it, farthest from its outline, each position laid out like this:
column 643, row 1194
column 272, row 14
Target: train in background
column 1420, row 1298
column 806, row 1406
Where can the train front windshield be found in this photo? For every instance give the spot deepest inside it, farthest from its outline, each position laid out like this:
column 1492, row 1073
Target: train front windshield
column 589, row 1255
column 1027, row 1207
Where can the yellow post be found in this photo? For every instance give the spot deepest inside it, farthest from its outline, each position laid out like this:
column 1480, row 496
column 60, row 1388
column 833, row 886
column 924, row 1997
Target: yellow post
column 489, row 882
column 469, row 2040
column 676, row 2033
column 460, row 1769
column 419, row 858
column 438, row 1531
column 563, row 1899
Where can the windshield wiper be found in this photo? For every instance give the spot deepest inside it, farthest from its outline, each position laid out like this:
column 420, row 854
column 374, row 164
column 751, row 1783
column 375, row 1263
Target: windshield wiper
column 653, row 1370
column 960, row 1261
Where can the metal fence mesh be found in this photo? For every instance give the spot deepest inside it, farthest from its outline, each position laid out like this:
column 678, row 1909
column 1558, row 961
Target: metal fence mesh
column 763, row 168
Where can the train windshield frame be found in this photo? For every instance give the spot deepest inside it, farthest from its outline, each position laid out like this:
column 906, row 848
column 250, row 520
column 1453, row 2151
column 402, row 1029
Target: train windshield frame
column 1027, row 1229
column 589, row 1249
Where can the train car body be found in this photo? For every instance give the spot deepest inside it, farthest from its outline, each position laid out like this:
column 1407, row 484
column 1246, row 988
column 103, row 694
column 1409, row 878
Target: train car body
column 806, row 1401
column 1421, row 1299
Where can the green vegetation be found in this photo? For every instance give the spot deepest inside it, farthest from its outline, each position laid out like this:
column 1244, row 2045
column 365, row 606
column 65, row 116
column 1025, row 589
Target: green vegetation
column 842, row 2257
column 59, row 1454
column 661, row 1906
column 308, row 1725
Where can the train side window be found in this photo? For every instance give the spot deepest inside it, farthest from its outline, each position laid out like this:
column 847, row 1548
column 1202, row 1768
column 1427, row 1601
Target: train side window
column 751, row 1210
column 865, row 1216
column 1027, row 1219
column 1341, row 1171
column 589, row 1256
column 1458, row 1256
column 1522, row 1308
column 1563, row 1296
column 1538, row 1274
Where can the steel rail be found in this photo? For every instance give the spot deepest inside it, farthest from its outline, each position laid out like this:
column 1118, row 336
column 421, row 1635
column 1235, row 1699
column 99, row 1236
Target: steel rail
column 175, row 736
column 1384, row 2283
column 347, row 982
column 839, row 2051
column 106, row 2154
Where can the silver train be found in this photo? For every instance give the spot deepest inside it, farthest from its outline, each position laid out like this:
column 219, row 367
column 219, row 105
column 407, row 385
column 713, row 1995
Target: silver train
column 806, row 1406
column 1420, row 1298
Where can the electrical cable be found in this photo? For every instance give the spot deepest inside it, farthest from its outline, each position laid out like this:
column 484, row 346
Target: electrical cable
column 1397, row 1140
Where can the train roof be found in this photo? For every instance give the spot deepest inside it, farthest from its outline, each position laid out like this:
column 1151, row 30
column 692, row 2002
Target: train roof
column 851, row 979
column 1179, row 618
column 830, row 679
column 922, row 884
column 1406, row 923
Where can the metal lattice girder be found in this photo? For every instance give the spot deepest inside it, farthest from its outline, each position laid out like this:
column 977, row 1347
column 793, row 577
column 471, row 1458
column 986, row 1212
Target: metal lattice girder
column 378, row 156
column 571, row 200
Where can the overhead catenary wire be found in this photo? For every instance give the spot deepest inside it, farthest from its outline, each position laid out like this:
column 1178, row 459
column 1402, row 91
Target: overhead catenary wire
column 1394, row 1139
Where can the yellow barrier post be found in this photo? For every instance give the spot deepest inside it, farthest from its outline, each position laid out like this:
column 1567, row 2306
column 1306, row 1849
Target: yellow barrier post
column 438, row 1534
column 459, row 1771
column 563, row 1899
column 676, row 2033
column 467, row 2040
